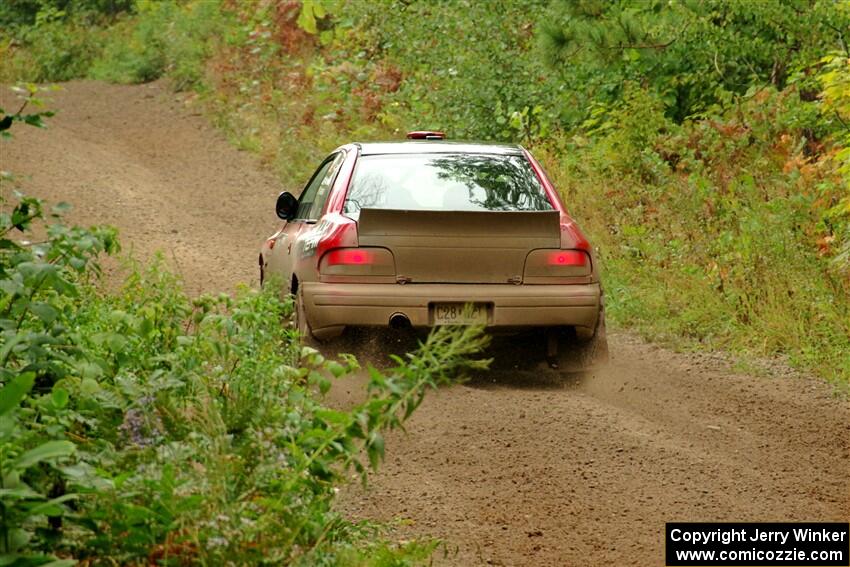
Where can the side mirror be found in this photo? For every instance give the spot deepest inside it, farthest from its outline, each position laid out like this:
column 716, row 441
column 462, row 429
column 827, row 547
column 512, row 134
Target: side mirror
column 287, row 206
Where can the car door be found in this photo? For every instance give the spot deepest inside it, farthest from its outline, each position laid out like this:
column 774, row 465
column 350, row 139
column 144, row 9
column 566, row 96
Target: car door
column 310, row 206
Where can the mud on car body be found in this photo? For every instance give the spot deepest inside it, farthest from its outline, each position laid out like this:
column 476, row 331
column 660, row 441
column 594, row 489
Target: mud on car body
column 428, row 232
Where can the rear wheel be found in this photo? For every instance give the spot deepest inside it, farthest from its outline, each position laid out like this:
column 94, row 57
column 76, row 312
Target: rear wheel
column 576, row 354
column 301, row 323
column 594, row 351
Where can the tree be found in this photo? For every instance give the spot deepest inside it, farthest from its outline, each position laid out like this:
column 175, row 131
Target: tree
column 692, row 53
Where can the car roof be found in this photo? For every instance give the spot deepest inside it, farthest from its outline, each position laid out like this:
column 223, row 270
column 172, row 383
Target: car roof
column 437, row 147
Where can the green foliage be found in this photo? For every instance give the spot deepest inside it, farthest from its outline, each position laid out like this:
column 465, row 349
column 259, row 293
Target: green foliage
column 18, row 13
column 166, row 36
column 21, row 506
column 56, row 50
column 93, row 38
column 493, row 88
column 835, row 78
column 235, row 466
column 693, row 55
column 627, row 133
column 37, row 351
column 311, row 13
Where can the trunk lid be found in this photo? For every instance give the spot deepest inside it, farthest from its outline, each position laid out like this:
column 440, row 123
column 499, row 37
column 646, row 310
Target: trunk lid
column 459, row 246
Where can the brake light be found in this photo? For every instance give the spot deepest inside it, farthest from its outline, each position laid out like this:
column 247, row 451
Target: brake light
column 426, row 135
column 357, row 262
column 349, row 257
column 556, row 266
column 568, row 258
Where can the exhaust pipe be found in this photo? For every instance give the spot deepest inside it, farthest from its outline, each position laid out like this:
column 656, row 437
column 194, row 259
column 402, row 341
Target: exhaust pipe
column 399, row 321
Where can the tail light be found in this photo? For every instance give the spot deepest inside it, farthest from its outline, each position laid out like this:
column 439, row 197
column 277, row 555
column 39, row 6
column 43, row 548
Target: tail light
column 357, row 262
column 547, row 266
column 339, row 254
column 567, row 258
column 349, row 257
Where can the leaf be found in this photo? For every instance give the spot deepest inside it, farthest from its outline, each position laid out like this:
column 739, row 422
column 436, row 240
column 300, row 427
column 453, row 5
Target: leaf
column 60, row 563
column 34, row 120
column 60, row 397
column 375, row 449
column 23, row 493
column 15, row 391
column 316, row 378
column 89, row 386
column 51, row 507
column 18, row 538
column 336, row 368
column 90, row 370
column 44, row 311
column 145, row 327
column 45, row 451
column 333, row 416
column 116, row 342
column 306, row 19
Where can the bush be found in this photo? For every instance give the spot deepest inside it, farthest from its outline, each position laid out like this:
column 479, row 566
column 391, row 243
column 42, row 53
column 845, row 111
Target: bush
column 105, row 41
column 165, row 37
column 57, row 49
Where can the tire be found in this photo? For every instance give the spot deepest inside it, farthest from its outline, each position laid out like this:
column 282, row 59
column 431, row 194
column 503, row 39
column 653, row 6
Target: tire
column 594, row 351
column 578, row 355
column 301, row 323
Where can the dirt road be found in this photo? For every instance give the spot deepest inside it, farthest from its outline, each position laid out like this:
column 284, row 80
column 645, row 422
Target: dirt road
column 138, row 158
column 512, row 468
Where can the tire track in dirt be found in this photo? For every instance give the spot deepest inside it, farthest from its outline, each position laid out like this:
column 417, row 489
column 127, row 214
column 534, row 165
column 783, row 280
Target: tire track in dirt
column 512, row 468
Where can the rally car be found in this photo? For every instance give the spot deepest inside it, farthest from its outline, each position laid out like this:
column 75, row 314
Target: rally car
column 427, row 232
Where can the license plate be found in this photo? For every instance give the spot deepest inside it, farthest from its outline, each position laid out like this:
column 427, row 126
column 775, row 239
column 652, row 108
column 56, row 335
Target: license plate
column 460, row 313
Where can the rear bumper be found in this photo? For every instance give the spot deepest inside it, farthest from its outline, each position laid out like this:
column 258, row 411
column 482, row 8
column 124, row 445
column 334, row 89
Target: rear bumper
column 331, row 306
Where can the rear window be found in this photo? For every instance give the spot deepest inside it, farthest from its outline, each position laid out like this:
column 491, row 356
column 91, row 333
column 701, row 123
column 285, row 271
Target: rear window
column 445, row 182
